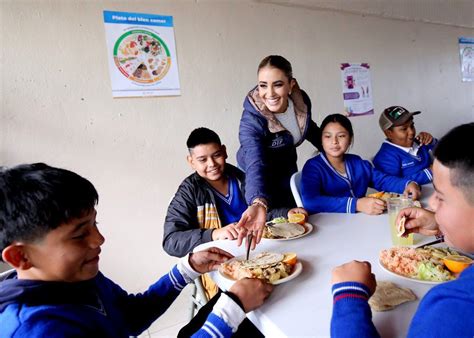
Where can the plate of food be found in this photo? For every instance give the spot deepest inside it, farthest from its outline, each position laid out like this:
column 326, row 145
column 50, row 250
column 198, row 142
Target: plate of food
column 429, row 264
column 281, row 229
column 275, row 268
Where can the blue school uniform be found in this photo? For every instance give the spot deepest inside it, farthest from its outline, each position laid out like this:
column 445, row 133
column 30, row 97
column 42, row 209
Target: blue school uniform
column 445, row 311
column 231, row 206
column 395, row 161
column 323, row 189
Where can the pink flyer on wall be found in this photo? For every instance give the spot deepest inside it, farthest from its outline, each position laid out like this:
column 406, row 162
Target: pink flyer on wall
column 357, row 89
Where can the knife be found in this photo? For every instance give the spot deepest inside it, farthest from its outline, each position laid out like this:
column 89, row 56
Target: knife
column 437, row 240
column 249, row 243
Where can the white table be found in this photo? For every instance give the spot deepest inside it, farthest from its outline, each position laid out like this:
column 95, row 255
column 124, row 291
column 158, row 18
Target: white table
column 303, row 306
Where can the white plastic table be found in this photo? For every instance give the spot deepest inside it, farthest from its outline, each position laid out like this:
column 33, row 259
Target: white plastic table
column 302, row 307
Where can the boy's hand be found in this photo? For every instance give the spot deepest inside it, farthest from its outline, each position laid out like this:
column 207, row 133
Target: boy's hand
column 370, row 205
column 298, row 211
column 355, row 271
column 227, row 232
column 252, row 292
column 208, row 260
column 412, row 189
column 252, row 222
column 424, row 137
column 419, row 220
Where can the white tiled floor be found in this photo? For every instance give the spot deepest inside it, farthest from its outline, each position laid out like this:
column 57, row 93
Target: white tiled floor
column 169, row 324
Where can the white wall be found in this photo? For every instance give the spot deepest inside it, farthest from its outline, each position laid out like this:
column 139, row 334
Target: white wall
column 56, row 103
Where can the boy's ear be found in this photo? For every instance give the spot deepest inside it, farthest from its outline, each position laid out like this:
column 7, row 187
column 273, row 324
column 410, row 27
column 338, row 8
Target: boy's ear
column 224, row 151
column 189, row 158
column 15, row 255
column 388, row 133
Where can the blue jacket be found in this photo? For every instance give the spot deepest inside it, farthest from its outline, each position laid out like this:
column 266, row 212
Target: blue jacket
column 323, row 189
column 93, row 308
column 396, row 162
column 267, row 152
column 447, row 310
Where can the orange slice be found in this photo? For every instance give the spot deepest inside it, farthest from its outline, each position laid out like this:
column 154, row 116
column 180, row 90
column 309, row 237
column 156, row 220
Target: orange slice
column 297, row 218
column 457, row 263
column 290, row 258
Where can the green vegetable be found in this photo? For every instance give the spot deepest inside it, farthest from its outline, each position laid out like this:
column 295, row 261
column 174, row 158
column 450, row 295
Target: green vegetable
column 279, row 220
column 431, row 272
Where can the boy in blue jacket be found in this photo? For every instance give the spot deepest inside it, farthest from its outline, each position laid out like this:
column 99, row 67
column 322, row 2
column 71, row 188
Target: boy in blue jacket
column 49, row 235
column 447, row 309
column 402, row 154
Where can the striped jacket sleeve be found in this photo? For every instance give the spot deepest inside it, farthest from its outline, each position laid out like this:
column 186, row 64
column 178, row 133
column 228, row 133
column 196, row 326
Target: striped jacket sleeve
column 351, row 316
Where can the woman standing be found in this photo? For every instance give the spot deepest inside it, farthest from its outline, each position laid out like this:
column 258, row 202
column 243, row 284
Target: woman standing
column 276, row 120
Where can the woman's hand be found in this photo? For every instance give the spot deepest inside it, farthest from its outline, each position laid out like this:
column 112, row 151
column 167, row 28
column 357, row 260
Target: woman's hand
column 227, row 232
column 370, row 205
column 208, row 260
column 252, row 222
column 424, row 137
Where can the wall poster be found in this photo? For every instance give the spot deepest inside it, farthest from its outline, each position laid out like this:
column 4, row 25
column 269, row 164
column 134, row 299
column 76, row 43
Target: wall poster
column 466, row 52
column 141, row 54
column 357, row 89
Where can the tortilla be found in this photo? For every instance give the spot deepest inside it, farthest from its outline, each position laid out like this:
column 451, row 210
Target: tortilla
column 286, row 230
column 401, row 226
column 388, row 296
column 263, row 260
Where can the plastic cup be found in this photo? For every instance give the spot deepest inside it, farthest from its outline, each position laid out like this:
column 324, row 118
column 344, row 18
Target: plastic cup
column 394, row 206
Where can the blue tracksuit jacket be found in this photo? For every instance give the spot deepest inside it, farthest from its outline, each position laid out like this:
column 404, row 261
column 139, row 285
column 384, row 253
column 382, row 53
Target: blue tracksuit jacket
column 267, row 152
column 92, row 308
column 447, row 310
column 396, row 162
column 323, row 189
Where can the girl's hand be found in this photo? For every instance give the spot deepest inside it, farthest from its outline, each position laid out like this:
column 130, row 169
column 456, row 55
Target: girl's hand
column 370, row 205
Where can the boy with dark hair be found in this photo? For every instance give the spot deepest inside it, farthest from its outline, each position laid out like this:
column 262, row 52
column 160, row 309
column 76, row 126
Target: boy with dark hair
column 209, row 202
column 49, row 235
column 447, row 309
column 402, row 154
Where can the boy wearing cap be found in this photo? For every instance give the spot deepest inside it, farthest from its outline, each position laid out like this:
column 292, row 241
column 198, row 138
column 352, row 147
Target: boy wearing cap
column 447, row 309
column 402, row 154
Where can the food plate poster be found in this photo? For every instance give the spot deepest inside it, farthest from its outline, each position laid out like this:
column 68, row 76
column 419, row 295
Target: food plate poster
column 466, row 51
column 142, row 54
column 357, row 89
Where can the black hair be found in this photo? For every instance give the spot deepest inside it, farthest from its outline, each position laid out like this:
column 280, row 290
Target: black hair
column 279, row 62
column 202, row 135
column 342, row 120
column 454, row 152
column 36, row 198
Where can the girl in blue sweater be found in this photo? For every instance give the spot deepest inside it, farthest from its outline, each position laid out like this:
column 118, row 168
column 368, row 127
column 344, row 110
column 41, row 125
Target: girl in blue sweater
column 334, row 181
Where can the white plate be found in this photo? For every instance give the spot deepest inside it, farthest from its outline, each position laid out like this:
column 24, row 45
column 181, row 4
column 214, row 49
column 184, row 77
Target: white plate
column 308, row 226
column 295, row 273
column 409, row 278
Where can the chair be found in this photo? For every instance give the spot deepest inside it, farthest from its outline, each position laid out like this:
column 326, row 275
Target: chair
column 295, row 182
column 198, row 297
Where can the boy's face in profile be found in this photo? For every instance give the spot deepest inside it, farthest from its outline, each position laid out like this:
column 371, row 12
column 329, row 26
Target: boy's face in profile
column 453, row 212
column 69, row 253
column 208, row 160
column 402, row 135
